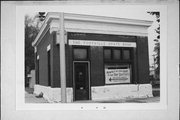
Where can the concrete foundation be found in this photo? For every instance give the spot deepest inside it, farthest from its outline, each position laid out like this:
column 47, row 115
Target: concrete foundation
column 53, row 94
column 111, row 92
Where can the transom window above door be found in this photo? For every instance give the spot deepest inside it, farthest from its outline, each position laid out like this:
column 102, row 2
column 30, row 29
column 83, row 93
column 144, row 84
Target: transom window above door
column 80, row 53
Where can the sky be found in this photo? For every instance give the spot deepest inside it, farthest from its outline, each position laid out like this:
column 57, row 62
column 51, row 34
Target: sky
column 120, row 11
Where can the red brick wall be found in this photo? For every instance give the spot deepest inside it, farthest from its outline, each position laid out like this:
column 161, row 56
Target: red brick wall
column 142, row 60
column 140, row 57
column 43, row 62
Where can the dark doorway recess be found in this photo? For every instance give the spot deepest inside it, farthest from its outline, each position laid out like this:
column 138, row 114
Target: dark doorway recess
column 81, row 80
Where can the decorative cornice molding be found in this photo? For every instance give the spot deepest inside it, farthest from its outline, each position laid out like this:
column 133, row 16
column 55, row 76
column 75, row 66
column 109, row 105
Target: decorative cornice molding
column 39, row 34
column 107, row 32
column 35, row 49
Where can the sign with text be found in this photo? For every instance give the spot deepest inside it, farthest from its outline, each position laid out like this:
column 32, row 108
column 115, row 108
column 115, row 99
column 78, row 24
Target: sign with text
column 101, row 43
column 117, row 76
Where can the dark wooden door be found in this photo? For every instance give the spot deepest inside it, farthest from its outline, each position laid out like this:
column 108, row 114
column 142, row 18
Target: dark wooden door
column 81, row 80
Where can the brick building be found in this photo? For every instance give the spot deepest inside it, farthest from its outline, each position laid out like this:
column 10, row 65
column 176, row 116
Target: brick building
column 104, row 58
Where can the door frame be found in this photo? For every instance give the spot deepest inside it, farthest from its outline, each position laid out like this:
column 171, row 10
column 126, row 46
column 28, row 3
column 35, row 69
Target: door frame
column 89, row 90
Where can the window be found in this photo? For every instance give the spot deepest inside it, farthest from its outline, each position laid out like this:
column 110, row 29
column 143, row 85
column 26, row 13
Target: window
column 54, row 36
column 107, row 54
column 49, row 68
column 37, row 72
column 117, row 54
column 126, row 54
column 80, row 53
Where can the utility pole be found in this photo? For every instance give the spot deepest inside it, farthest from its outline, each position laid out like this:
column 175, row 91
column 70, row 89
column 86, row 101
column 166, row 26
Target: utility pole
column 62, row 58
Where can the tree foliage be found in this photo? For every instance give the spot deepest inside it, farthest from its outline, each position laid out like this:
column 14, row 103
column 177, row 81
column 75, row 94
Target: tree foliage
column 31, row 31
column 32, row 27
column 157, row 44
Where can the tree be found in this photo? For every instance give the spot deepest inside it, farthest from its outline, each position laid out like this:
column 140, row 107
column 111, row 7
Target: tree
column 31, row 31
column 157, row 44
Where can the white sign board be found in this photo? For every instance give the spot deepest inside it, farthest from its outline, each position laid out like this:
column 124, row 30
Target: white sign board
column 101, row 43
column 117, row 76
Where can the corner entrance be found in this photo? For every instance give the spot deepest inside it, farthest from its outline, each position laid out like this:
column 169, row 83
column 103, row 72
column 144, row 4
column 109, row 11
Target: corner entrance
column 81, row 81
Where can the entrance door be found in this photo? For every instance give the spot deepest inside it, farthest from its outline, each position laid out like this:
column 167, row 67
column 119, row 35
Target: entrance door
column 81, row 80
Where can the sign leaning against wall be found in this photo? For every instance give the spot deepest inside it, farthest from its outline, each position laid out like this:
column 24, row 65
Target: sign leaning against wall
column 117, row 74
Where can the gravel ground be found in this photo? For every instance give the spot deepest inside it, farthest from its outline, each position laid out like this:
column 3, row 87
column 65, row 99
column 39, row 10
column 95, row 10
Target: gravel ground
column 129, row 100
column 31, row 98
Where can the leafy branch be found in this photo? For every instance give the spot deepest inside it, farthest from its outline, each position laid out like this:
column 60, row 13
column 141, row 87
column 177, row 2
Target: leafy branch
column 157, row 43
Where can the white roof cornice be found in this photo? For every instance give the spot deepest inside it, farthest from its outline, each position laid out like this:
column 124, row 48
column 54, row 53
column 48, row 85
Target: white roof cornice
column 93, row 18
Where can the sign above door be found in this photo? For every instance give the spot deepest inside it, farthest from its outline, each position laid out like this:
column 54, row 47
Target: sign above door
column 101, row 43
